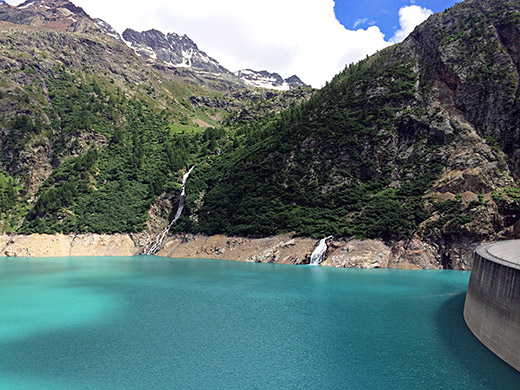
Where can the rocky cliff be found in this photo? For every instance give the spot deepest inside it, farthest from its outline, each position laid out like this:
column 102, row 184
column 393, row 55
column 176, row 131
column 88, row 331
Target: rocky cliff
column 173, row 49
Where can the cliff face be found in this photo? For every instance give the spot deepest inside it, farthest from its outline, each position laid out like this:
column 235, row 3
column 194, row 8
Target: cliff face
column 470, row 56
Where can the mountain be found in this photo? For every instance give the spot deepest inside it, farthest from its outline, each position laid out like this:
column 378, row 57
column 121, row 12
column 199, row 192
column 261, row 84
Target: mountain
column 174, row 50
column 417, row 143
column 181, row 52
column 92, row 137
column 265, row 79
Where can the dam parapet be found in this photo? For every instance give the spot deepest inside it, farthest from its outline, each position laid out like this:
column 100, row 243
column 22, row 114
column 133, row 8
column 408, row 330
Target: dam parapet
column 492, row 307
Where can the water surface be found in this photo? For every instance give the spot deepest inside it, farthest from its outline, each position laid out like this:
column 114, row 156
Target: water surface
column 149, row 322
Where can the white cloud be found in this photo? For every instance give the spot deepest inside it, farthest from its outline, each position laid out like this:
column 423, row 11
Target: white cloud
column 300, row 37
column 409, row 17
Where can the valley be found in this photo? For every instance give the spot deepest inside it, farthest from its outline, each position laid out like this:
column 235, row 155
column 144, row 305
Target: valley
column 414, row 150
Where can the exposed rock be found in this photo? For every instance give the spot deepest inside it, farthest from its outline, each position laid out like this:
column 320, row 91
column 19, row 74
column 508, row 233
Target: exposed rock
column 35, row 245
column 358, row 254
column 353, row 253
column 102, row 244
column 295, row 82
column 414, row 254
column 57, row 15
column 280, row 249
column 469, row 196
column 109, row 30
column 204, row 101
column 172, row 49
column 60, row 245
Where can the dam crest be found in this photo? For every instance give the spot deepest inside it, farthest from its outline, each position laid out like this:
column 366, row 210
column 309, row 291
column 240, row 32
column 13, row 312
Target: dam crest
column 492, row 307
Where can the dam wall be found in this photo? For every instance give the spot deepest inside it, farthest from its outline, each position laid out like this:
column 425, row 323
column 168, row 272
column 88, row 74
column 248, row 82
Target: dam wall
column 492, row 307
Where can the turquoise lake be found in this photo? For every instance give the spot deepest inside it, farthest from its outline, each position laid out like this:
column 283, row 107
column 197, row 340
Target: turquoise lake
column 156, row 323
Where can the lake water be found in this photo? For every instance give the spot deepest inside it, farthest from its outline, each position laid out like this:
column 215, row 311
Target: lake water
column 156, row 323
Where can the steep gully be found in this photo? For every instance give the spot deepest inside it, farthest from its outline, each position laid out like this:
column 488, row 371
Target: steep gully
column 155, row 245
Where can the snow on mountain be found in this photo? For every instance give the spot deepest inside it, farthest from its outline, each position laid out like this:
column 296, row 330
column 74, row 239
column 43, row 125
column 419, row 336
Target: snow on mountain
column 173, row 49
column 265, row 79
column 109, row 30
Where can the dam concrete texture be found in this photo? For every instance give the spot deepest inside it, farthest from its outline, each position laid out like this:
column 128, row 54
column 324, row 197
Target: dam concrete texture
column 492, row 307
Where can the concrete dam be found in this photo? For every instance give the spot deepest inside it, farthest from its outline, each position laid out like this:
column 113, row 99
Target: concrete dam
column 492, row 307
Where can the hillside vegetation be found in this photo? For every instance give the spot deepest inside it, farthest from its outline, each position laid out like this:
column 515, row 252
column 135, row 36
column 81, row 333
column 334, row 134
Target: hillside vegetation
column 91, row 136
column 420, row 139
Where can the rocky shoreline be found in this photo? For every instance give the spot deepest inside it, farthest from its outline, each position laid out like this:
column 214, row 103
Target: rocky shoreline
column 284, row 249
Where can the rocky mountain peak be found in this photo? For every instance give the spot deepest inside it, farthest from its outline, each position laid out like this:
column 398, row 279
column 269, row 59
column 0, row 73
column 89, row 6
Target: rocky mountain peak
column 268, row 80
column 173, row 49
column 41, row 5
column 183, row 41
column 109, row 30
column 295, row 82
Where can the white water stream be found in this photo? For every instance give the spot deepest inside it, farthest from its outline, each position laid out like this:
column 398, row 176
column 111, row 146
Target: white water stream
column 153, row 246
column 318, row 254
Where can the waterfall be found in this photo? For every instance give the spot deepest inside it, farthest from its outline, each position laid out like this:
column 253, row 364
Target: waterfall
column 319, row 252
column 153, row 246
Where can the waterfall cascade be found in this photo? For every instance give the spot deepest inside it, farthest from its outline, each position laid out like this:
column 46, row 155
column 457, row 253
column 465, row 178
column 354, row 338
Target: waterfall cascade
column 153, row 246
column 318, row 254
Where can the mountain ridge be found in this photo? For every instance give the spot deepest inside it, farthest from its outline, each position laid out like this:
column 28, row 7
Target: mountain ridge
column 57, row 15
column 172, row 49
column 182, row 52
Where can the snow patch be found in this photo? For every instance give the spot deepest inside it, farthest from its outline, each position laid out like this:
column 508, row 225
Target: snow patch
column 127, row 43
column 267, row 85
column 256, row 79
column 26, row 5
column 186, row 59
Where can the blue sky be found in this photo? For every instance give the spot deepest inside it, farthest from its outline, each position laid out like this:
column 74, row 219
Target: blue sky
column 355, row 14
